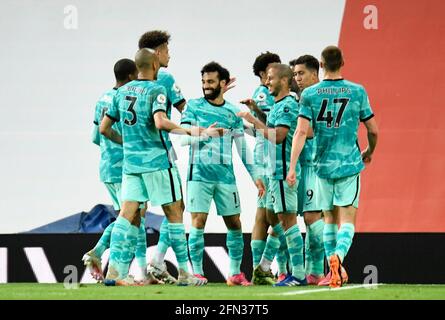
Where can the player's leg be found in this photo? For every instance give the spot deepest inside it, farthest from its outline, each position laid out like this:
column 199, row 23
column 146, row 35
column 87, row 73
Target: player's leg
column 123, row 243
column 286, row 205
column 309, row 208
column 314, row 248
column 235, row 246
column 228, row 205
column 162, row 246
column 199, row 198
column 92, row 259
column 141, row 246
column 196, row 243
column 163, row 243
column 262, row 275
column 259, row 234
column 346, row 198
column 165, row 190
column 126, row 229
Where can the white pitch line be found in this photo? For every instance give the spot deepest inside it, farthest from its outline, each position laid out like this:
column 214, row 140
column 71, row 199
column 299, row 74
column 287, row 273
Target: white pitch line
column 289, row 293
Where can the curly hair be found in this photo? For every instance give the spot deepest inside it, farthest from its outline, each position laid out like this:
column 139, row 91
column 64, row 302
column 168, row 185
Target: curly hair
column 153, row 39
column 223, row 73
column 263, row 60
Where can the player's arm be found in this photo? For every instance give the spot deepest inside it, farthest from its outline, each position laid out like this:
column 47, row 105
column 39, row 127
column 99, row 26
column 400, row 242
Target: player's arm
column 251, row 104
column 162, row 122
column 180, row 106
column 310, row 132
column 298, row 141
column 373, row 133
column 107, row 130
column 250, row 130
column 95, row 135
column 247, row 158
column 274, row 135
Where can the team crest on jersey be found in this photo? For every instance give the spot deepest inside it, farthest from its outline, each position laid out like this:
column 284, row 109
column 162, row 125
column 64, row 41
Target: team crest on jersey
column 286, row 109
column 161, row 98
column 176, row 88
column 261, row 96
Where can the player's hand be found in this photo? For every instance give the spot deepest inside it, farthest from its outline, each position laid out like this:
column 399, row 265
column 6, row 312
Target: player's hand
column 366, row 156
column 261, row 188
column 229, row 85
column 213, row 131
column 247, row 116
column 291, row 178
column 250, row 103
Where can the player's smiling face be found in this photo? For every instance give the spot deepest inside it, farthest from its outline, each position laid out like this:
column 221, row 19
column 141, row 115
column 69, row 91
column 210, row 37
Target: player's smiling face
column 273, row 82
column 211, row 86
column 304, row 77
column 163, row 54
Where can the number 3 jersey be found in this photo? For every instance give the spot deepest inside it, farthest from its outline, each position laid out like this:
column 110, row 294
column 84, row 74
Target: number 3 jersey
column 336, row 108
column 135, row 104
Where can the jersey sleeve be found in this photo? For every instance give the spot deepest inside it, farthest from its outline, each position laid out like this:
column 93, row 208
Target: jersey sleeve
column 188, row 116
column 304, row 110
column 159, row 99
column 174, row 93
column 238, row 128
column 113, row 111
column 260, row 98
column 95, row 136
column 286, row 116
column 365, row 108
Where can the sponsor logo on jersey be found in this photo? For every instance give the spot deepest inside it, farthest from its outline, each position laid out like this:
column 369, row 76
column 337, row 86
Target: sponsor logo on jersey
column 161, row 98
column 261, row 96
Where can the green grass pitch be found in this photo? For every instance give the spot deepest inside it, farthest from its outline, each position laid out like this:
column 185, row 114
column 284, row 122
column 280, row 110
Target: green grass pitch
column 31, row 291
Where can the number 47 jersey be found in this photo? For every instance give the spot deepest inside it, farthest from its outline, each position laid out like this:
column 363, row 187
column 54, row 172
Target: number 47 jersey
column 336, row 108
column 144, row 147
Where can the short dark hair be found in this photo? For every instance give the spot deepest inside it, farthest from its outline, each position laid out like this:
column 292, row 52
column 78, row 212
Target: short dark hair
column 123, row 68
column 309, row 62
column 283, row 71
column 153, row 39
column 263, row 60
column 223, row 73
column 332, row 58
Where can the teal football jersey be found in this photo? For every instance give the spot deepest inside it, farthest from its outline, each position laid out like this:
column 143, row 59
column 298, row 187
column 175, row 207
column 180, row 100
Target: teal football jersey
column 144, row 146
column 111, row 154
column 306, row 154
column 174, row 99
column 265, row 102
column 336, row 108
column 211, row 159
column 284, row 113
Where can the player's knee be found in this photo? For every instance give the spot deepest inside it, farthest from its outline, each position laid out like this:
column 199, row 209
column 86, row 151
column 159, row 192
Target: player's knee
column 199, row 221
column 311, row 217
column 288, row 221
column 233, row 223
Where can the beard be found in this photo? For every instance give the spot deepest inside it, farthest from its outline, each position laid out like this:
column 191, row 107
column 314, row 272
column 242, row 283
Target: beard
column 214, row 93
column 275, row 91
